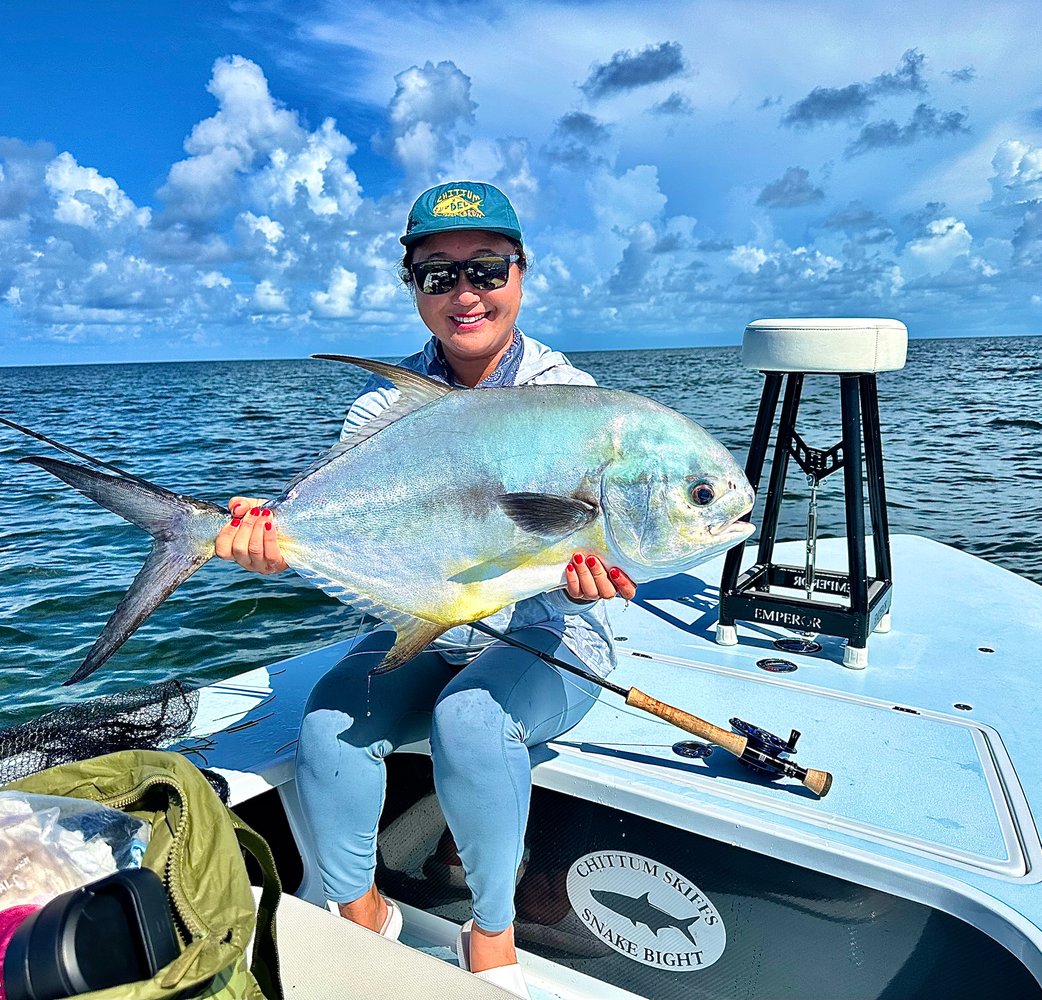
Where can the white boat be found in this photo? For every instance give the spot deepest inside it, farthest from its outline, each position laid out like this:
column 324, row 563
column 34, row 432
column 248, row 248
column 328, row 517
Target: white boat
column 658, row 869
column 916, row 876
column 654, row 873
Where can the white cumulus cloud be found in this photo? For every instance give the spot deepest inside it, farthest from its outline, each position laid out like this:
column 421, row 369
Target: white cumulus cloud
column 337, row 302
column 83, row 197
column 263, row 219
column 1018, row 175
column 429, row 115
column 945, row 240
column 214, row 279
column 748, row 258
column 261, row 202
column 247, row 128
column 269, row 299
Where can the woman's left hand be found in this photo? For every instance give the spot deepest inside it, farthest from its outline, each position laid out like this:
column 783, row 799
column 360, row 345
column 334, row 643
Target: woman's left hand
column 588, row 579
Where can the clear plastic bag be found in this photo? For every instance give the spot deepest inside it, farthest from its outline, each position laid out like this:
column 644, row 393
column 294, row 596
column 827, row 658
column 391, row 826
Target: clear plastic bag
column 50, row 844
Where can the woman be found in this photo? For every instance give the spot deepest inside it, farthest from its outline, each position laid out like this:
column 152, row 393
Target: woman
column 465, row 260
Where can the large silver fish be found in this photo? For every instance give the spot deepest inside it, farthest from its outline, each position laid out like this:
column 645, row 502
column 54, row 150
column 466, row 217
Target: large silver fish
column 450, row 505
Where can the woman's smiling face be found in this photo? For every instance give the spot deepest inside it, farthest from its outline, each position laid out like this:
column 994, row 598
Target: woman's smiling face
column 473, row 326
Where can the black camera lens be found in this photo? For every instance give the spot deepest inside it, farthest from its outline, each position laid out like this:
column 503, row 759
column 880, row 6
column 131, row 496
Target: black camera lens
column 115, row 931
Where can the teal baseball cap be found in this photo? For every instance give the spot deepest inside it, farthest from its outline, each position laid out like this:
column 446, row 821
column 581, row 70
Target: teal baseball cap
column 461, row 205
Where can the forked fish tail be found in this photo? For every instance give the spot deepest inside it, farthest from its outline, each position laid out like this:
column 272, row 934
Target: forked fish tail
column 685, row 928
column 184, row 530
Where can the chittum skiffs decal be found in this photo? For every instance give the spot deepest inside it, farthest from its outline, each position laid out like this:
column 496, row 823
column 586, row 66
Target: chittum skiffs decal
column 646, row 911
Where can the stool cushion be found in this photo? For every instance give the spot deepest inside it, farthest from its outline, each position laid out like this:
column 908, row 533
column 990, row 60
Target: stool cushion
column 825, row 345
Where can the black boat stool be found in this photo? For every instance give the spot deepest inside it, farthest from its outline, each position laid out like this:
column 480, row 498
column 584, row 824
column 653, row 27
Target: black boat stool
column 853, row 350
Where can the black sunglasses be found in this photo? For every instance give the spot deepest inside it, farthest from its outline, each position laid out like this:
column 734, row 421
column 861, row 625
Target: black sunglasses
column 485, row 273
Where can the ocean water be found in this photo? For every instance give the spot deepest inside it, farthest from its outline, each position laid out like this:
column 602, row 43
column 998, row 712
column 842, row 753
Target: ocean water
column 962, row 439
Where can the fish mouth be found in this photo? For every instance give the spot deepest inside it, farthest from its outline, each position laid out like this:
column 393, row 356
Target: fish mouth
column 736, row 527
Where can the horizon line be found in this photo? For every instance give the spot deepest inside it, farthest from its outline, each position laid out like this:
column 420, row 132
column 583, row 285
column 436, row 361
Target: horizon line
column 385, row 357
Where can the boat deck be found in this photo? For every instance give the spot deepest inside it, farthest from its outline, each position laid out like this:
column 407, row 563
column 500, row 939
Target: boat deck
column 933, row 747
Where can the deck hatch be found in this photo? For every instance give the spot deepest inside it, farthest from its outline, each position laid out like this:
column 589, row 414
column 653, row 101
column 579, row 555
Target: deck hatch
column 919, row 782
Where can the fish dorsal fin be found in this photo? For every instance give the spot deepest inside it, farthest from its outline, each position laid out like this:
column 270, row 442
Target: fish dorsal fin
column 415, row 390
column 547, row 515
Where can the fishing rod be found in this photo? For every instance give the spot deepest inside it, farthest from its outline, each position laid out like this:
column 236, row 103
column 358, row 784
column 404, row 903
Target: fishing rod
column 759, row 749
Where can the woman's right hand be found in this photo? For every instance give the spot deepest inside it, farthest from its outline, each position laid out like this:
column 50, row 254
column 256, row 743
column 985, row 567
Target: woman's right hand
column 250, row 539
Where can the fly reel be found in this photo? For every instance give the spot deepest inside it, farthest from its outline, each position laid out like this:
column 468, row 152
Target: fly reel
column 766, row 753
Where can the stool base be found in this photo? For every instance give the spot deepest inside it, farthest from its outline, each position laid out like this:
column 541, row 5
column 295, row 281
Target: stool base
column 726, row 635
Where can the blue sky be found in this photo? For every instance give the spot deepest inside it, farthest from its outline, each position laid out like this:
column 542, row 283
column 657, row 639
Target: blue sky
column 218, row 180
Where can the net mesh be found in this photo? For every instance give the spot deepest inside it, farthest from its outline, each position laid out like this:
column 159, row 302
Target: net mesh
column 147, row 718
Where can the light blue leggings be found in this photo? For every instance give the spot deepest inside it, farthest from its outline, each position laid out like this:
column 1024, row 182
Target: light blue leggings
column 481, row 721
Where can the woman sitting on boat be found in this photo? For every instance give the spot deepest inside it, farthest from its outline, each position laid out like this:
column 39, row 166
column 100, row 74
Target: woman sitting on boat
column 465, row 260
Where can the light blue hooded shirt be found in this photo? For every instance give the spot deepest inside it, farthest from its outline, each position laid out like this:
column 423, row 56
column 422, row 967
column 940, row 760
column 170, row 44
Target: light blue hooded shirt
column 584, row 627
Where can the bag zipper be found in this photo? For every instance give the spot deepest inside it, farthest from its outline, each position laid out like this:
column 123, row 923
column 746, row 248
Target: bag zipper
column 178, row 900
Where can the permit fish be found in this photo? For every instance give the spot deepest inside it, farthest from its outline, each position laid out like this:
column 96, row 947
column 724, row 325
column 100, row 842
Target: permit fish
column 641, row 910
column 451, row 504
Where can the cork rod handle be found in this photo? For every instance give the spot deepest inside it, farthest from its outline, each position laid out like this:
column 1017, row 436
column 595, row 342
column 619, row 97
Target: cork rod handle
column 732, row 742
column 819, row 782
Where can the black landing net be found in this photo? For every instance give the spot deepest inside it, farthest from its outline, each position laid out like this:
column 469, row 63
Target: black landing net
column 146, row 718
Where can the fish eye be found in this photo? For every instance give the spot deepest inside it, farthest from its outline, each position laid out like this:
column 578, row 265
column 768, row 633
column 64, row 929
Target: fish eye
column 701, row 494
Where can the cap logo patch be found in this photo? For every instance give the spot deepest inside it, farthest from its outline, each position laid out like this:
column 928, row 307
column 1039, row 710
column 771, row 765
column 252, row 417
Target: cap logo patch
column 459, row 202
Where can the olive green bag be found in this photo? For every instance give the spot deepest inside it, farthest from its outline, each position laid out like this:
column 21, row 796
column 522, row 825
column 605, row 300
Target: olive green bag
column 196, row 849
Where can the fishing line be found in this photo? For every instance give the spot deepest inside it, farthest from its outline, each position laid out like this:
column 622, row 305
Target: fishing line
column 78, row 454
column 572, row 669
column 760, row 750
column 623, row 709
column 464, row 649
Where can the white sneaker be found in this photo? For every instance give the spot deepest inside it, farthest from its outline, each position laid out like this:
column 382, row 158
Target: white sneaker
column 392, row 926
column 506, row 977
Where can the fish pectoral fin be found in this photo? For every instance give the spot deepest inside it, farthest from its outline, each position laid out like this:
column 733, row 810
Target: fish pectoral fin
column 411, row 636
column 503, row 563
column 547, row 515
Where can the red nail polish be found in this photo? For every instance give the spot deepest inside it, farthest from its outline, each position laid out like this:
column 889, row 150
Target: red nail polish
column 578, row 557
column 265, row 512
column 236, row 521
column 267, row 525
column 235, row 509
column 591, row 561
column 570, row 568
column 255, row 511
column 614, row 572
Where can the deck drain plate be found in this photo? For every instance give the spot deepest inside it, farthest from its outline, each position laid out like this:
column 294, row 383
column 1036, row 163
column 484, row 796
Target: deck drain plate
column 797, row 646
column 692, row 748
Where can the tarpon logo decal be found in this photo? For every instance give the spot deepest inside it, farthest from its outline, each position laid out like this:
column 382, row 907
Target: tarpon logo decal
column 643, row 911
column 646, row 911
column 459, row 202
